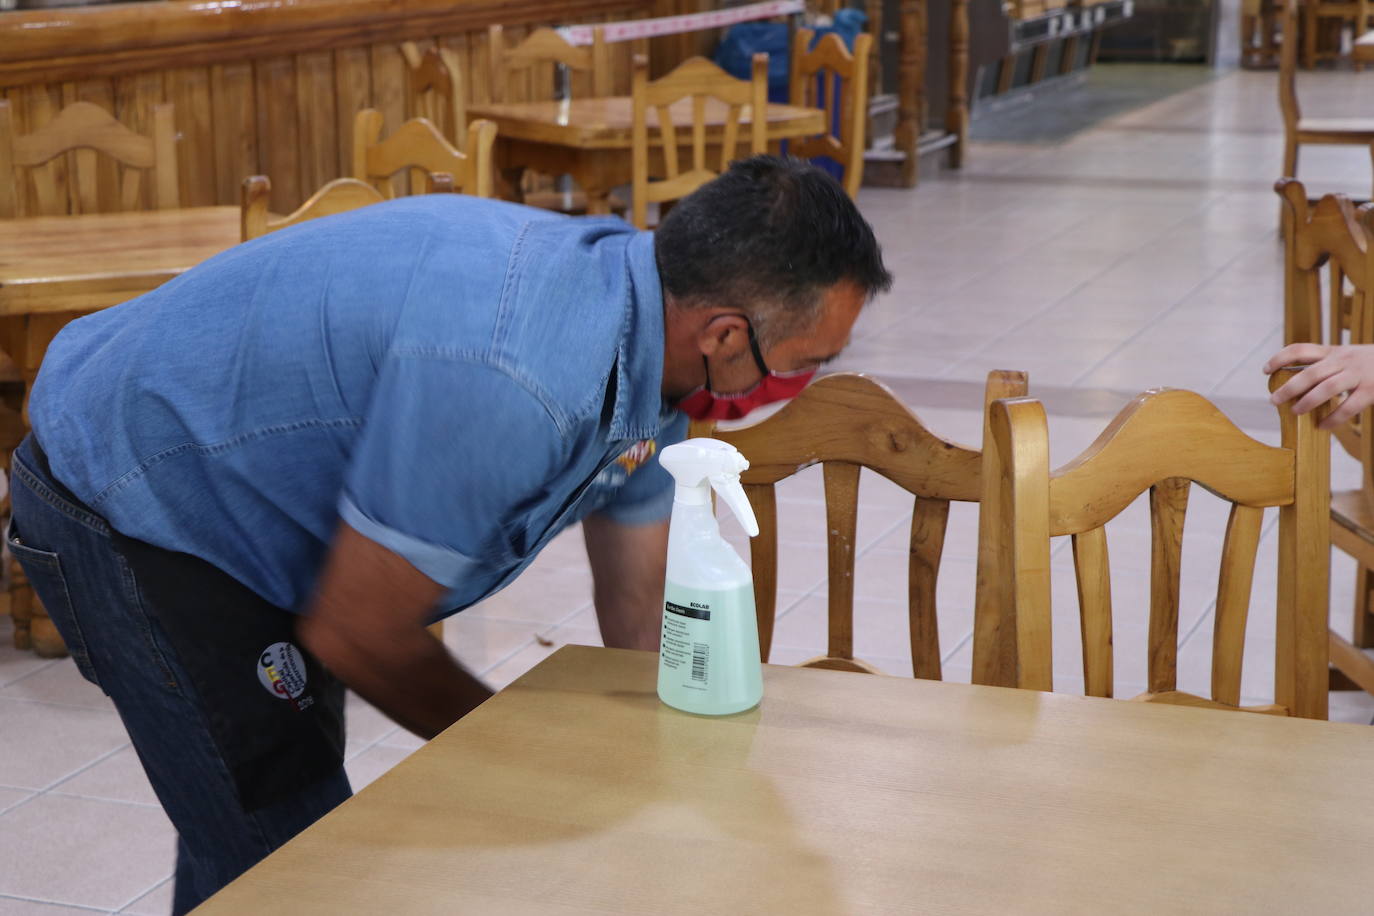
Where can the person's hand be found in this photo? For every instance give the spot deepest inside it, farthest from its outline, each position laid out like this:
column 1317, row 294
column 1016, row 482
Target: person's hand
column 1331, row 372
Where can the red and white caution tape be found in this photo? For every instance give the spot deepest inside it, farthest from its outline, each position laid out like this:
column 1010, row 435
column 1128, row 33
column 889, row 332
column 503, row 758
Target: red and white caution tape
column 676, row 25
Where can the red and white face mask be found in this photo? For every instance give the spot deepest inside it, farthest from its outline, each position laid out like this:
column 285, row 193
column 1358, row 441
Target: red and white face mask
column 705, row 404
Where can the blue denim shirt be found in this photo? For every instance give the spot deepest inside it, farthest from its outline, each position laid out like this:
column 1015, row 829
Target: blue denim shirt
column 457, row 379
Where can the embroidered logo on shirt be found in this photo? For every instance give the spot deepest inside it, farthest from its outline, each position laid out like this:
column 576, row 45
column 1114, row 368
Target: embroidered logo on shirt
column 637, row 455
column 281, row 671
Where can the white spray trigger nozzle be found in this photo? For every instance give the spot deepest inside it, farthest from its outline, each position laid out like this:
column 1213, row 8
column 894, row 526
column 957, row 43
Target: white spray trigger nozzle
column 700, row 465
column 728, row 486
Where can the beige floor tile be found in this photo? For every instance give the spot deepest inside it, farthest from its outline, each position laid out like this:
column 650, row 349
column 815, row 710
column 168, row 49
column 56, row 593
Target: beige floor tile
column 59, row 683
column 157, row 902
column 481, row 642
column 84, row 851
column 541, row 595
column 502, row 675
column 881, row 628
column 45, row 743
column 372, row 763
column 12, row 906
column 15, row 664
column 1354, row 706
column 119, row 777
column 11, row 797
column 365, row 724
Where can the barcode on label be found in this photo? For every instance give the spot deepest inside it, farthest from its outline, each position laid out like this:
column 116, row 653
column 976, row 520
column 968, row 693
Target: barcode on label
column 699, row 654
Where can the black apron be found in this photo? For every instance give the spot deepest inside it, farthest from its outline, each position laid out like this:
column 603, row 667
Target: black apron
column 276, row 714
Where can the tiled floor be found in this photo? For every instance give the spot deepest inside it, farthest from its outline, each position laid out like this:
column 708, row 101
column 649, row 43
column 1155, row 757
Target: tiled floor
column 1138, row 253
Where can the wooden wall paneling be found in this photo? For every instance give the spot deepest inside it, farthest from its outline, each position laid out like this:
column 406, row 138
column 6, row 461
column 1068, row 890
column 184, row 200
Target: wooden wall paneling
column 189, row 90
column 45, row 186
column 233, row 105
column 479, row 67
column 134, row 98
column 317, row 116
column 388, row 96
column 278, row 133
column 352, row 93
column 458, row 44
column 96, row 177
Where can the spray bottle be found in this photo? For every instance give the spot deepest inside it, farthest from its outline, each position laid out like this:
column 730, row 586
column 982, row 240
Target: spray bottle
column 708, row 660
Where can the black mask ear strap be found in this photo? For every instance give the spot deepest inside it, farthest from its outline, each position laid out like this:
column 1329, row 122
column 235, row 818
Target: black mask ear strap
column 754, row 345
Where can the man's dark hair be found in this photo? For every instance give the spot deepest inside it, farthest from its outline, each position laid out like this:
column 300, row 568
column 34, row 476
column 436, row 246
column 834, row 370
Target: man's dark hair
column 768, row 237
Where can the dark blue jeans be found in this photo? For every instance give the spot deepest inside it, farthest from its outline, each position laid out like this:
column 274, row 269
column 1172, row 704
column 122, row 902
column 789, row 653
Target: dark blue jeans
column 116, row 639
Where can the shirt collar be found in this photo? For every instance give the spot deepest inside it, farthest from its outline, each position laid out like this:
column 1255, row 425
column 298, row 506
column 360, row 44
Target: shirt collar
column 639, row 410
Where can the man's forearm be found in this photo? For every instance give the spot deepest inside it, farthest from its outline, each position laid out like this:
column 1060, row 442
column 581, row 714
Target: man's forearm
column 627, row 562
column 414, row 680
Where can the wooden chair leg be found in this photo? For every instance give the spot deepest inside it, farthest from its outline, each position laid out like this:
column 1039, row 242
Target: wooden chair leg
column 1363, row 632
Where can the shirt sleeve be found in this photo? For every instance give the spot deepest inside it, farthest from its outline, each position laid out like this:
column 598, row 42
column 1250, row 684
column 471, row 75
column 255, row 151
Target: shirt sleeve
column 451, row 457
column 647, row 496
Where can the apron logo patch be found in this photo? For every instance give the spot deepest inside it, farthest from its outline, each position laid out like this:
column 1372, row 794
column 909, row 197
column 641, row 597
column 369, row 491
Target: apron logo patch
column 637, row 455
column 281, row 671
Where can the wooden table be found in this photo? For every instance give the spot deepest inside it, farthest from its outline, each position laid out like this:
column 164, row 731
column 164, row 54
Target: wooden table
column 53, row 268
column 576, row 791
column 589, row 139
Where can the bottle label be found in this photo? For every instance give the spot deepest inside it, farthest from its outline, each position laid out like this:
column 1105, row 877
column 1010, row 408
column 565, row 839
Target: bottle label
column 685, row 649
column 709, row 652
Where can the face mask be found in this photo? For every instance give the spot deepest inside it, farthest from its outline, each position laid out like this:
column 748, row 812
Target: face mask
column 705, row 404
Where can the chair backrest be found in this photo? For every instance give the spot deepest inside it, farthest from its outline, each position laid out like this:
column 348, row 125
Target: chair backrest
column 1329, row 268
column 846, row 422
column 712, row 98
column 829, row 77
column 1288, row 67
column 417, row 145
column 94, row 186
column 1164, row 440
column 338, row 196
column 1327, row 235
column 541, row 49
column 434, row 90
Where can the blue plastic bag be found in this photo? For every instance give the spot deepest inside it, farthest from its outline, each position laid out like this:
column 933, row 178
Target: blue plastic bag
column 736, row 51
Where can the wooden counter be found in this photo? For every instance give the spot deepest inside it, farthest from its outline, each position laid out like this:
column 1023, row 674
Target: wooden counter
column 265, row 86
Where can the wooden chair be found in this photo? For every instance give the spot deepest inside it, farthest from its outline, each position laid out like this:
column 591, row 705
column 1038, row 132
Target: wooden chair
column 1323, row 18
column 518, row 72
column 338, row 196
column 697, row 81
column 846, row 422
column 434, row 91
column 418, row 146
column 1161, row 442
column 29, row 186
column 538, row 53
column 95, row 186
column 1332, row 238
column 829, row 77
column 1258, row 26
column 1298, row 130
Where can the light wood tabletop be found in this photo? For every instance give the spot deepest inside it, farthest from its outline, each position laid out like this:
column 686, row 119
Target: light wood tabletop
column 589, row 139
column 575, row 791
column 1364, row 48
column 79, row 263
column 56, row 268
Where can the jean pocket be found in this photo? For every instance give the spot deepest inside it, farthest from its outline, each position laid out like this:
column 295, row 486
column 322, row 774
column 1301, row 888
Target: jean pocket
column 44, row 571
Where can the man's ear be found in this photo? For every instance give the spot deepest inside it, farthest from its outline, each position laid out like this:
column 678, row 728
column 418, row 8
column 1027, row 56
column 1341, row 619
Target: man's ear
column 725, row 335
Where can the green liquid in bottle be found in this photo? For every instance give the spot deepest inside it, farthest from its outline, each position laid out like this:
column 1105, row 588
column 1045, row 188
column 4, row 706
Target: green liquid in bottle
column 709, row 656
